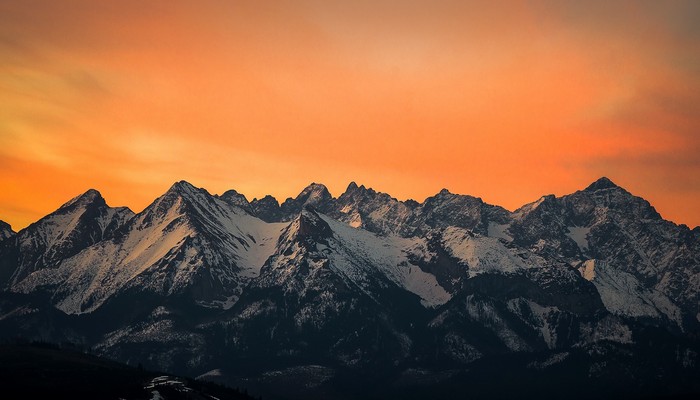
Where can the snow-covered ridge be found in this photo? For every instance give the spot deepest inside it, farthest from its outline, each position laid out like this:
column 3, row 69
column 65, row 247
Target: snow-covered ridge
column 359, row 255
column 184, row 237
column 623, row 294
column 189, row 242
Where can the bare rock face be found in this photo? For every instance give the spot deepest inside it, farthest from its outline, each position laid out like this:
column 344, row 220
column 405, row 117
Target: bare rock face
column 5, row 231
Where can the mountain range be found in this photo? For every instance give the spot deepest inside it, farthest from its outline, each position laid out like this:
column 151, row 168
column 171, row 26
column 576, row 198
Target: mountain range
column 307, row 298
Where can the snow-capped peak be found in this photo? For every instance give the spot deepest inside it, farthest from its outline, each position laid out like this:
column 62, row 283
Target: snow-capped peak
column 79, row 223
column 601, row 184
column 236, row 199
column 183, row 188
column 313, row 194
column 90, row 196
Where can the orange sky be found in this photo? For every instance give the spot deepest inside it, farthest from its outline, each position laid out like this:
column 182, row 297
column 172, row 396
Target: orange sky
column 502, row 100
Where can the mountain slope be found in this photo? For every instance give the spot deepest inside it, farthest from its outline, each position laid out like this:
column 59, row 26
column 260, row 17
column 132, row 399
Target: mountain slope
column 76, row 225
column 376, row 212
column 316, row 297
column 321, row 291
column 186, row 242
column 650, row 267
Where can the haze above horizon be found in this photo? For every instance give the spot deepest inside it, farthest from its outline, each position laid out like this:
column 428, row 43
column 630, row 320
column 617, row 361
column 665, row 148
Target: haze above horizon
column 502, row 100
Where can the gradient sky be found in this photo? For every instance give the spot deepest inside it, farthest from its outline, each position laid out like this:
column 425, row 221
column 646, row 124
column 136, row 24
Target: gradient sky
column 503, row 100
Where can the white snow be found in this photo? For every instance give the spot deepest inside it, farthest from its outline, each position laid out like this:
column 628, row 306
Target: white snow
column 86, row 280
column 623, row 294
column 480, row 253
column 580, row 236
column 425, row 285
column 359, row 255
column 527, row 208
column 214, row 373
column 499, row 231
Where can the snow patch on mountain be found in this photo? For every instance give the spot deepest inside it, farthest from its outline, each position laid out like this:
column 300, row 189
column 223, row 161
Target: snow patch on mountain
column 171, row 241
column 486, row 314
column 528, row 208
column 480, row 253
column 623, row 294
column 359, row 255
column 540, row 318
column 579, row 235
column 496, row 230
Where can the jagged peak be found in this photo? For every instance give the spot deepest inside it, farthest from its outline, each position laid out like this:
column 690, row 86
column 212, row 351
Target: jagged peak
column 90, row 196
column 445, row 195
column 267, row 199
column 182, row 186
column 601, row 184
column 186, row 190
column 178, row 195
column 312, row 194
column 354, row 190
column 233, row 198
column 233, row 194
column 313, row 188
column 5, row 229
column 307, row 227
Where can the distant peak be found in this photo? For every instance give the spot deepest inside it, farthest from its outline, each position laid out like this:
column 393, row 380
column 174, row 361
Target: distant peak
column 234, row 198
column 444, row 191
column 90, row 196
column 267, row 199
column 184, row 188
column 315, row 187
column 181, row 185
column 353, row 187
column 6, row 230
column 231, row 193
column 92, row 193
column 314, row 193
column 4, row 225
column 601, row 184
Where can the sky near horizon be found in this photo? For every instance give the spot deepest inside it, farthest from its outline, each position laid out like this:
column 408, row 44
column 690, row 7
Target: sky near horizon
column 505, row 100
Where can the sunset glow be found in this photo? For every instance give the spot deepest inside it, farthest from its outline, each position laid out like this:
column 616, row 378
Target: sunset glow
column 503, row 100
